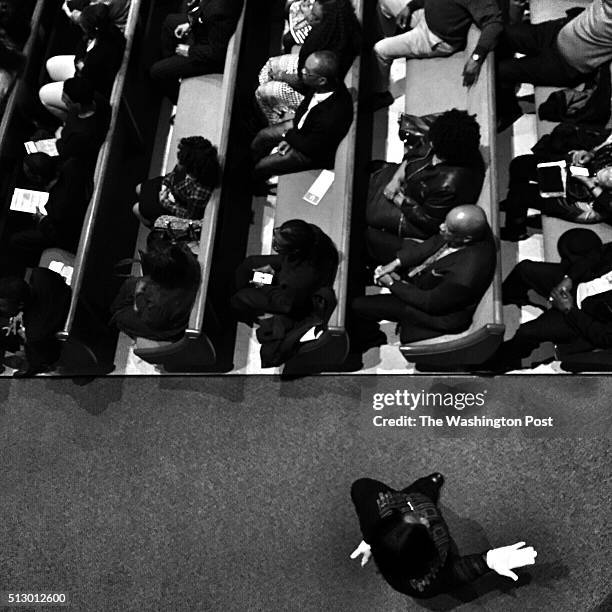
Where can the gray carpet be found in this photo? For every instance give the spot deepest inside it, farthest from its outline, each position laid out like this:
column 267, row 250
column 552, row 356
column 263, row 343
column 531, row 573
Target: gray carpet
column 233, row 494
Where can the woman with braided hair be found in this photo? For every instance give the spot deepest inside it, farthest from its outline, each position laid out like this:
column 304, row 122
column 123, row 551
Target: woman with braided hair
column 185, row 191
column 411, row 199
column 334, row 28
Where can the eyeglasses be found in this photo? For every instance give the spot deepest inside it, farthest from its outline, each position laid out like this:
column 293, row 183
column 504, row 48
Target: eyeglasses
column 307, row 73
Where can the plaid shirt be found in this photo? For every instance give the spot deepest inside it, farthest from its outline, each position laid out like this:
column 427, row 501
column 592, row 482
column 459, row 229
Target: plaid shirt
column 182, row 196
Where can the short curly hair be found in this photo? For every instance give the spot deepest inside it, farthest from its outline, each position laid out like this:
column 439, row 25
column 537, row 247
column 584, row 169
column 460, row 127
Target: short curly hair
column 455, row 137
column 199, row 158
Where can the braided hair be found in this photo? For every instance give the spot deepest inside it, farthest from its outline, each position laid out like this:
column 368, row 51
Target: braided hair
column 455, row 138
column 339, row 31
column 199, row 158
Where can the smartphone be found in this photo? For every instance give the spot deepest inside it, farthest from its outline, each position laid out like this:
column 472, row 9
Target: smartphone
column 578, row 171
column 262, row 278
column 552, row 177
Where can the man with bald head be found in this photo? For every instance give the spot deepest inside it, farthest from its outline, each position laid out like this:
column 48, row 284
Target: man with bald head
column 435, row 286
column 322, row 120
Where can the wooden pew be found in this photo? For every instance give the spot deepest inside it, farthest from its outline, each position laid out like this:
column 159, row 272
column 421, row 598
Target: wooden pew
column 552, row 228
column 102, row 176
column 333, row 216
column 435, row 85
column 15, row 120
column 204, row 109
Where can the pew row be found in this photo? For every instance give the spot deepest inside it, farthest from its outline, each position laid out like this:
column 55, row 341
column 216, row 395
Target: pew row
column 103, row 174
column 424, row 95
column 333, row 215
column 15, row 121
column 204, row 109
column 552, row 228
column 591, row 361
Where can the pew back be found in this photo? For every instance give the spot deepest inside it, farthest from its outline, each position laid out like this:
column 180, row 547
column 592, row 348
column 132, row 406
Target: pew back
column 204, row 109
column 435, row 85
column 552, row 228
column 333, row 215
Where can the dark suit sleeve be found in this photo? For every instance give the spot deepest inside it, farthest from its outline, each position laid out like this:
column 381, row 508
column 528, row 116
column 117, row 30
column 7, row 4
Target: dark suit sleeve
column 461, row 570
column 414, row 253
column 364, row 494
column 220, row 30
column 323, row 132
column 448, row 296
column 598, row 333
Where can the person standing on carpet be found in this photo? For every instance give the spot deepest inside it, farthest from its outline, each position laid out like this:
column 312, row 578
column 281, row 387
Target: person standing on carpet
column 405, row 533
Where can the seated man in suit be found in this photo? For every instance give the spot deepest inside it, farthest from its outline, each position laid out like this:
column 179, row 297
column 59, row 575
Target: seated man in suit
column 322, row 120
column 579, row 292
column 195, row 42
column 406, row 534
column 32, row 313
column 435, row 285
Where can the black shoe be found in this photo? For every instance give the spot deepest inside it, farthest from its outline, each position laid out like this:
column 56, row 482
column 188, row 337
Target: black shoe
column 263, row 189
column 437, row 479
column 513, row 233
column 534, row 221
column 493, row 367
column 380, row 100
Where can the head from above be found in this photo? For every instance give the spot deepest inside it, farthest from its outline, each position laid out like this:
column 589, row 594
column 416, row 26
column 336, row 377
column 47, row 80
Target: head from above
column 94, row 19
column 463, row 225
column 294, row 238
column 317, row 12
column 409, row 546
column 199, row 159
column 40, row 169
column 604, row 177
column 78, row 94
column 320, row 71
column 455, row 137
column 172, row 265
column 14, row 293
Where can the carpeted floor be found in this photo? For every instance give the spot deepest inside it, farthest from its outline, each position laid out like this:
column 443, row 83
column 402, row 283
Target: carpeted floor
column 233, row 494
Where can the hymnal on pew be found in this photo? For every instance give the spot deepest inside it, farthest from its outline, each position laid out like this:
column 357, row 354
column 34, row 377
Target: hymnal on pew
column 320, row 187
column 29, row 201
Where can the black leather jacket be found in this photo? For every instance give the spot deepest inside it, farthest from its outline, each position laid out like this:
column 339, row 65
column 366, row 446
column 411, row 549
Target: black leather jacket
column 430, row 192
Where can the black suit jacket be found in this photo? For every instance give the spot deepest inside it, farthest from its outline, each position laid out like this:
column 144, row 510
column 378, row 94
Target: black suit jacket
column 324, row 128
column 213, row 29
column 82, row 138
column 102, row 63
column 444, row 297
